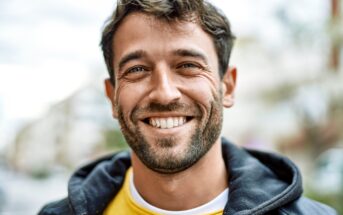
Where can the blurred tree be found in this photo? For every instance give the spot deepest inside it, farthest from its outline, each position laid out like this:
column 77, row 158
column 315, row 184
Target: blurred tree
column 315, row 135
column 114, row 140
column 335, row 35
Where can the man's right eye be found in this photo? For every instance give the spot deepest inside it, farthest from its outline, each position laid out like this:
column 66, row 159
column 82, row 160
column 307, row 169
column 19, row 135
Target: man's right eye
column 136, row 69
column 135, row 72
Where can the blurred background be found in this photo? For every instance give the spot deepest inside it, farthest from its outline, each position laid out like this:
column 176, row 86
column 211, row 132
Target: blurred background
column 54, row 116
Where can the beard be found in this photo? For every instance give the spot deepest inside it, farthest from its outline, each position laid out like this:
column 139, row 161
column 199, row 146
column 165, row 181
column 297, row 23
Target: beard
column 161, row 158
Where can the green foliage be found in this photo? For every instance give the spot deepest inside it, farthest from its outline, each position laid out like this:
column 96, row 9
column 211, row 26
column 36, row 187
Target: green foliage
column 334, row 200
column 40, row 173
column 114, row 140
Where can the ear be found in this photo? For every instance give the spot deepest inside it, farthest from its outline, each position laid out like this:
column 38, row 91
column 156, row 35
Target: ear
column 110, row 93
column 229, row 85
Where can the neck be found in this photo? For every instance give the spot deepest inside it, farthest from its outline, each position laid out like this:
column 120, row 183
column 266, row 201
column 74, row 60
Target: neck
column 188, row 189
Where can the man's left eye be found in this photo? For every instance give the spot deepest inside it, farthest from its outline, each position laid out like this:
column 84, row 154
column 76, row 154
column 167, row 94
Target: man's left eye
column 188, row 65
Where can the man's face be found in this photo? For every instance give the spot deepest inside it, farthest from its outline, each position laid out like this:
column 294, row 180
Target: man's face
column 167, row 94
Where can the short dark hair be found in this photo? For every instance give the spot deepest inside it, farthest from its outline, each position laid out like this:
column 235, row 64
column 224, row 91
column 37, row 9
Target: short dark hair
column 211, row 20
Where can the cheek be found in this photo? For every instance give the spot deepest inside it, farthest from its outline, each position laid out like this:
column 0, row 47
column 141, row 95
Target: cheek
column 127, row 97
column 201, row 89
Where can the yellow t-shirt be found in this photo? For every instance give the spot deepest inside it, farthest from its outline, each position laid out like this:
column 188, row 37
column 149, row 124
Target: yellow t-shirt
column 124, row 204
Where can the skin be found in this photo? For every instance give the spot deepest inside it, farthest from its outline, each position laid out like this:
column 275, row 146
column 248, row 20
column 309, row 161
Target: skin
column 151, row 69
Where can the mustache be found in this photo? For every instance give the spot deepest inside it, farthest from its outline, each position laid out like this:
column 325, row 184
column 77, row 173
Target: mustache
column 155, row 107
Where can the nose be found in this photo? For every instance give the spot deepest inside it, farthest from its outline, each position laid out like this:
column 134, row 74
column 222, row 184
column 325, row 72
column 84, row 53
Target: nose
column 164, row 90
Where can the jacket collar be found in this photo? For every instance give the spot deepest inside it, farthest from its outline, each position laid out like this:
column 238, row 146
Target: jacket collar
column 258, row 181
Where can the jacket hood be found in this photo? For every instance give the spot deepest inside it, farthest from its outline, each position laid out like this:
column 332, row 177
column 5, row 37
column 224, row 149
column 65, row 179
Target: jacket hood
column 91, row 188
column 258, row 181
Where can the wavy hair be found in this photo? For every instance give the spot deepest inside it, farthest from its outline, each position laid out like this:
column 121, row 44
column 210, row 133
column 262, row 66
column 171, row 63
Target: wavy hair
column 210, row 18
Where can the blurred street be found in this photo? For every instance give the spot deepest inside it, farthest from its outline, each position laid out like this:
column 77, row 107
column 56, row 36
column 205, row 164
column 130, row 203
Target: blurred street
column 23, row 195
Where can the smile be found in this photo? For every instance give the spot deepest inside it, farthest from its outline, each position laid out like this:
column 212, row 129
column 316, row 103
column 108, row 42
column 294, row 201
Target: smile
column 166, row 122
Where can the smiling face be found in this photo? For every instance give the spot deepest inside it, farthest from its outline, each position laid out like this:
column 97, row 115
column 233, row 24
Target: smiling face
column 168, row 96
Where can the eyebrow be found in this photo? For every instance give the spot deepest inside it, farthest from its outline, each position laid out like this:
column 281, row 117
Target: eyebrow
column 131, row 56
column 191, row 53
column 179, row 52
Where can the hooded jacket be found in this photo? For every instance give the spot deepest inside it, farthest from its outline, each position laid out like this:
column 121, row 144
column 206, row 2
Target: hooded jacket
column 259, row 183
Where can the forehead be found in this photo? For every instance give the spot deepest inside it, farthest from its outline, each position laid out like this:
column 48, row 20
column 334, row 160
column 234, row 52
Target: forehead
column 158, row 37
column 138, row 21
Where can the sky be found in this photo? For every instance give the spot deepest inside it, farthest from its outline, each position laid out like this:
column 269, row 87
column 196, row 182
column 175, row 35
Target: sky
column 49, row 49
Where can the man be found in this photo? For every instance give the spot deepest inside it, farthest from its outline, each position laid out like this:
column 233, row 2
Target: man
column 169, row 81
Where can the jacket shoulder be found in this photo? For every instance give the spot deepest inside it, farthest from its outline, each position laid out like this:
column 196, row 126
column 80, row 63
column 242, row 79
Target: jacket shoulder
column 306, row 206
column 58, row 207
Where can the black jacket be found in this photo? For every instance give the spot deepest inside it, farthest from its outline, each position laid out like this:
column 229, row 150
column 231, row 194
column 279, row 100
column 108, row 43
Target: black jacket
column 259, row 183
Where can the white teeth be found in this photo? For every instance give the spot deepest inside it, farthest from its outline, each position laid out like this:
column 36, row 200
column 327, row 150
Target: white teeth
column 163, row 123
column 168, row 122
column 175, row 121
column 180, row 120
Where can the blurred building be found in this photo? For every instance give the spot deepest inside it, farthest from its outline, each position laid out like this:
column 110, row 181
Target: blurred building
column 71, row 132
